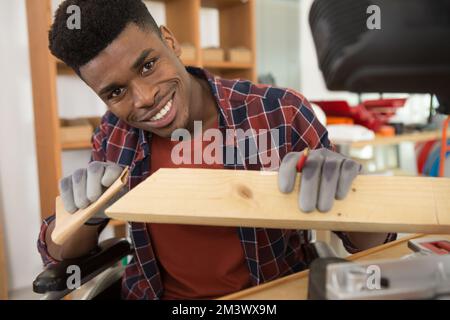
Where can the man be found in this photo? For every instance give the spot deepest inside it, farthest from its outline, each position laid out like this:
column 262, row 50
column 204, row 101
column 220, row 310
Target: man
column 134, row 66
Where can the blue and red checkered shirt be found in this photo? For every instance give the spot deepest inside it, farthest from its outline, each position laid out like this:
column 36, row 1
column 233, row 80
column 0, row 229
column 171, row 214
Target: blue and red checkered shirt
column 269, row 253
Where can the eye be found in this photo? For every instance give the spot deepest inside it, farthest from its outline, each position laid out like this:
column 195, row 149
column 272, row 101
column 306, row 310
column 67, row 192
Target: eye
column 116, row 92
column 148, row 66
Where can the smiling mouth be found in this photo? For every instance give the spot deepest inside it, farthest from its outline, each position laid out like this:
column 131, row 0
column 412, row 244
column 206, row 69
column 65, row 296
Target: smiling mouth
column 164, row 116
column 163, row 112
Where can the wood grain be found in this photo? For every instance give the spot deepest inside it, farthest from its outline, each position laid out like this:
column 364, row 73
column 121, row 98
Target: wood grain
column 251, row 198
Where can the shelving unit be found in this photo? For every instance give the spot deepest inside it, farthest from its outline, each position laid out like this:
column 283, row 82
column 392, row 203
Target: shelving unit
column 237, row 29
column 408, row 137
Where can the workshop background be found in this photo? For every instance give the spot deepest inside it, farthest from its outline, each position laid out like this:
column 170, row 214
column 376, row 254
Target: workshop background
column 285, row 55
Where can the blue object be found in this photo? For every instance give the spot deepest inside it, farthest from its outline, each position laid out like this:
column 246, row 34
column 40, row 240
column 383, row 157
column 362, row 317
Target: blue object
column 431, row 167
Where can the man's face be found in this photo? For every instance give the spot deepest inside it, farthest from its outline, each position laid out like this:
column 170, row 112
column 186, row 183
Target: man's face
column 142, row 80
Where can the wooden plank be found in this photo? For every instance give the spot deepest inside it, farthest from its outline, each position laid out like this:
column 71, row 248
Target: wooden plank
column 295, row 286
column 46, row 121
column 251, row 198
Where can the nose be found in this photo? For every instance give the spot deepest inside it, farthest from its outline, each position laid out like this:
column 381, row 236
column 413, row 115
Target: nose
column 144, row 95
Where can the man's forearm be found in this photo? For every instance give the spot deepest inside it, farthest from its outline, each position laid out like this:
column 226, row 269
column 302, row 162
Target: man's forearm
column 366, row 240
column 80, row 244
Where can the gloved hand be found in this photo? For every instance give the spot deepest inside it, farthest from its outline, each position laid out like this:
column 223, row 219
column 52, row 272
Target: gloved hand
column 326, row 175
column 86, row 185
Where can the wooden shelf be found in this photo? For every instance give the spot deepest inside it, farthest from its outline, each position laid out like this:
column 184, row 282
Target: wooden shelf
column 76, row 145
column 227, row 65
column 76, row 134
column 410, row 137
column 192, row 63
column 214, row 3
column 220, row 4
column 63, row 69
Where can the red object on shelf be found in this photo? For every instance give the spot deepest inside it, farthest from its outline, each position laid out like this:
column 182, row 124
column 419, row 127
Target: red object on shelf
column 384, row 103
column 372, row 114
column 384, row 108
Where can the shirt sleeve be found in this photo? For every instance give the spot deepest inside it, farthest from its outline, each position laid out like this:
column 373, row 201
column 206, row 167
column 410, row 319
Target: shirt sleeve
column 308, row 132
column 99, row 141
column 98, row 154
column 306, row 129
column 47, row 259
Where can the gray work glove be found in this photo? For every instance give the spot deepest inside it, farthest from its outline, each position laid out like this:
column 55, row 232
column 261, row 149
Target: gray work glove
column 86, row 185
column 326, row 176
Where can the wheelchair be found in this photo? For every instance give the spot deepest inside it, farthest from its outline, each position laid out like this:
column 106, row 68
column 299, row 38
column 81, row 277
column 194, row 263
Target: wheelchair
column 102, row 271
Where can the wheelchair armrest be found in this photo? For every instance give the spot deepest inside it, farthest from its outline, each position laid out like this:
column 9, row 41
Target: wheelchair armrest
column 317, row 249
column 54, row 278
column 318, row 256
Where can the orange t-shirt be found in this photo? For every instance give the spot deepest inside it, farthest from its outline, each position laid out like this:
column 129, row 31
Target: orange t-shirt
column 196, row 262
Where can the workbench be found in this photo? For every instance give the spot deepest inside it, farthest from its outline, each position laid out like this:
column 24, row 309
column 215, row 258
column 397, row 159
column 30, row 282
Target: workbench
column 295, row 286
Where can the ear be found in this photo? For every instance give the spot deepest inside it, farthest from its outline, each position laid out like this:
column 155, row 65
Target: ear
column 170, row 40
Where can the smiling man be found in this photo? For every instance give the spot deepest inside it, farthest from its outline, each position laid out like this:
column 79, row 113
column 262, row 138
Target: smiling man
column 134, row 66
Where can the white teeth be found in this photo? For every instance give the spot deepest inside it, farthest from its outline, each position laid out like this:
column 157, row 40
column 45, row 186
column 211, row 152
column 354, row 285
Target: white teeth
column 163, row 111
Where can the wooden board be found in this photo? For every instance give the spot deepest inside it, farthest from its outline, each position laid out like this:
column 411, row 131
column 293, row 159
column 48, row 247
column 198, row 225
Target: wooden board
column 295, row 286
column 251, row 198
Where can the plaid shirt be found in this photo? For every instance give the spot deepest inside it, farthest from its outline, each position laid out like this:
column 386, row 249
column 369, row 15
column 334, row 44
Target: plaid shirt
column 269, row 253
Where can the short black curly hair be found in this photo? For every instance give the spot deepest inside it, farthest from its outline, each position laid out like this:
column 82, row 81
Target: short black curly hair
column 101, row 22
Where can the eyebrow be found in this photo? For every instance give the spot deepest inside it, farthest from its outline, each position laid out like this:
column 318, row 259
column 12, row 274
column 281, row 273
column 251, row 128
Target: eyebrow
column 108, row 88
column 140, row 60
column 137, row 63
